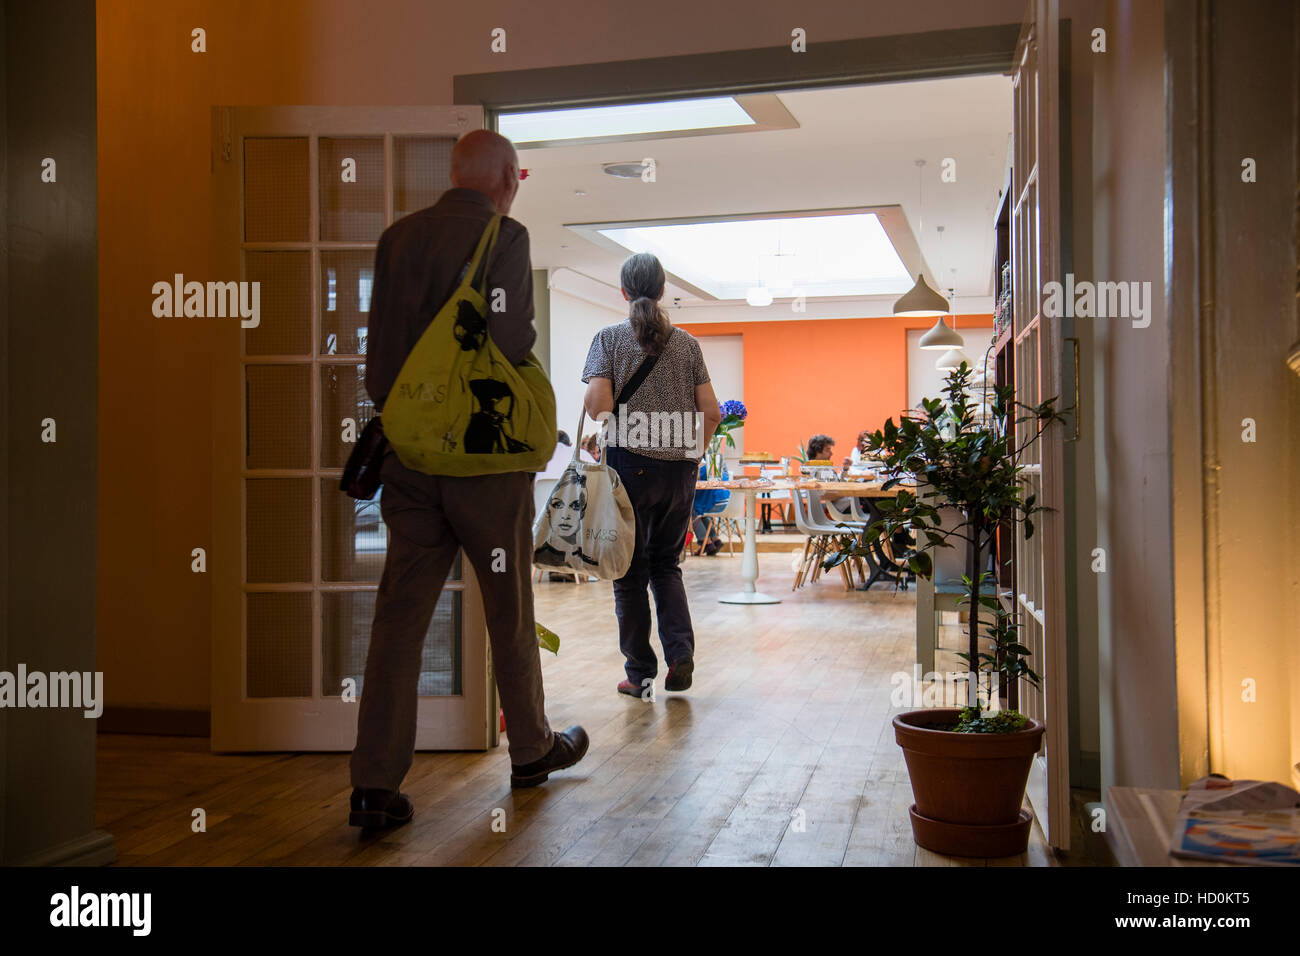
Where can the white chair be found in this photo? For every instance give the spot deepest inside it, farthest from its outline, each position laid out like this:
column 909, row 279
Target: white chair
column 708, row 519
column 821, row 538
column 857, row 524
column 728, row 518
column 733, row 520
column 825, row 515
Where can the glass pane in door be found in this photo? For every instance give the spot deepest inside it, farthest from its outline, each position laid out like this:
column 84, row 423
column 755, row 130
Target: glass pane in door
column 421, row 171
column 345, row 635
column 277, row 203
column 284, row 303
column 346, row 278
column 277, row 519
column 351, row 189
column 277, row 431
column 278, row 644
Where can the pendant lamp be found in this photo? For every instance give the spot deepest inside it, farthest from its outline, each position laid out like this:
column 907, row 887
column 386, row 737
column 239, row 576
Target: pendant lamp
column 951, row 359
column 922, row 300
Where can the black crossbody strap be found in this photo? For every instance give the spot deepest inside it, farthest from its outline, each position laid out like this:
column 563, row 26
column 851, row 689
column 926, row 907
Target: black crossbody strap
column 640, row 375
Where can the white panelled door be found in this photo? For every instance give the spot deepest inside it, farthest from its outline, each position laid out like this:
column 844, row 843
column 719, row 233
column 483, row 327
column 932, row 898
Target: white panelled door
column 300, row 197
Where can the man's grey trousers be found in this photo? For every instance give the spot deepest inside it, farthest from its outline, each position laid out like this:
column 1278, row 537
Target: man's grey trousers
column 429, row 517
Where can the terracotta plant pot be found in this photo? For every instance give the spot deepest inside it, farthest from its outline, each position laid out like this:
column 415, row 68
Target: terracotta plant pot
column 968, row 787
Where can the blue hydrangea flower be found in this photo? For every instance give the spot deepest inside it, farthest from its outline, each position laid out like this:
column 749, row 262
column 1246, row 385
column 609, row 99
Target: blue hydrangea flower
column 734, row 407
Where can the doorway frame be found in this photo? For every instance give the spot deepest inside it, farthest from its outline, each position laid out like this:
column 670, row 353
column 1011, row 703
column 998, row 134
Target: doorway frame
column 939, row 54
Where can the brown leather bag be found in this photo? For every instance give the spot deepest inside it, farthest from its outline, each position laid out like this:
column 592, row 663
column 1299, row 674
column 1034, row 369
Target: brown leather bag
column 361, row 475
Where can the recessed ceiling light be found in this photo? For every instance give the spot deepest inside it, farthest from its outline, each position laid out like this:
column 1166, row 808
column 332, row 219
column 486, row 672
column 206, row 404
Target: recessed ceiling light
column 828, row 255
column 539, row 126
column 580, row 192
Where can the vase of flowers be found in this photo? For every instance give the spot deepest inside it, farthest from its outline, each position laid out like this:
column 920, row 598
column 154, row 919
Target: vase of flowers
column 733, row 414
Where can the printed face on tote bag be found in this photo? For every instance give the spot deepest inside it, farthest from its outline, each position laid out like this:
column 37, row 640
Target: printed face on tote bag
column 587, row 523
column 568, row 504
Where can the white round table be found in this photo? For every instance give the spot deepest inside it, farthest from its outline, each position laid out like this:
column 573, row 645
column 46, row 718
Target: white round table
column 751, row 490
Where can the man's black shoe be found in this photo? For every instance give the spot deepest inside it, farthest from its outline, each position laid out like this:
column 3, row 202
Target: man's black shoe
column 679, row 675
column 380, row 809
column 568, row 748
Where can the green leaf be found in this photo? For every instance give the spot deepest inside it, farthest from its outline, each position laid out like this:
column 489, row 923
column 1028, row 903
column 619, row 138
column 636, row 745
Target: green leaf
column 548, row 639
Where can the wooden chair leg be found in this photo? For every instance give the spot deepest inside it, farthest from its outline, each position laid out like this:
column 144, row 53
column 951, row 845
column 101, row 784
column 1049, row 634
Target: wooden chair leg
column 803, row 565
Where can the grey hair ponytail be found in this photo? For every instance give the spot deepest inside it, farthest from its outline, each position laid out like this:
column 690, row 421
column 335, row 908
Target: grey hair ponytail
column 643, row 279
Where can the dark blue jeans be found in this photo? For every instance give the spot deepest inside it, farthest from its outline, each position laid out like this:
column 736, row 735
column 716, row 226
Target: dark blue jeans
column 662, row 493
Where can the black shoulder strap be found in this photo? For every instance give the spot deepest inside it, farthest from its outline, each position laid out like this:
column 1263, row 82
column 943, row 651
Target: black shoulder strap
column 643, row 371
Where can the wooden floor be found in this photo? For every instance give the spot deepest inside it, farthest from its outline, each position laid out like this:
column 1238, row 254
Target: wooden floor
column 781, row 753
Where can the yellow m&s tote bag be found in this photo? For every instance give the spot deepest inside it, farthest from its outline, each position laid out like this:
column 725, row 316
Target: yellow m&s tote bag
column 458, row 406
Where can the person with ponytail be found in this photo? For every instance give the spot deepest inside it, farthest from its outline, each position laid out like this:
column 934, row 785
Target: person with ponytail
column 647, row 380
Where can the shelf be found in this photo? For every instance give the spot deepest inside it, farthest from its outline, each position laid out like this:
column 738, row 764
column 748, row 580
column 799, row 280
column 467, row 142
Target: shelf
column 1003, row 340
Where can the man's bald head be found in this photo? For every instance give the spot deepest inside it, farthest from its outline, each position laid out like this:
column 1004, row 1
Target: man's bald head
column 486, row 161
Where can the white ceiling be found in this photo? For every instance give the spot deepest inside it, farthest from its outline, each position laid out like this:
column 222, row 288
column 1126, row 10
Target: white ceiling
column 855, row 146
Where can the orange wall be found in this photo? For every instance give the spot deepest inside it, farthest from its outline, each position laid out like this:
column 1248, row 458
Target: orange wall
column 830, row 376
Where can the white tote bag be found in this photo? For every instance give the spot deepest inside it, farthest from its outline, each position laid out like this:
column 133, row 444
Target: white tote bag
column 586, row 523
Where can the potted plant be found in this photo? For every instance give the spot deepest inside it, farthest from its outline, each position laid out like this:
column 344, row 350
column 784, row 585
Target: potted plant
column 968, row 765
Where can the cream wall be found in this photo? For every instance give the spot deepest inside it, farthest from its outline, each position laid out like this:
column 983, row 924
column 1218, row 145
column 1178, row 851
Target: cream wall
column 574, row 323
column 926, row 381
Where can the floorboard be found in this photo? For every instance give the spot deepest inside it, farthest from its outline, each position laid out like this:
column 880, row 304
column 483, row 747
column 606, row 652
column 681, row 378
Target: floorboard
column 781, row 754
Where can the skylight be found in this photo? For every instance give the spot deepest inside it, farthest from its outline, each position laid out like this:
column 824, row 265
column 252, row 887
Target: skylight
column 628, row 119
column 845, row 255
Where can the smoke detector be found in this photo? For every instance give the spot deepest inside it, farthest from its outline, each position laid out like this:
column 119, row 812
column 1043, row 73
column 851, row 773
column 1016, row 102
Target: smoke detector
column 624, row 170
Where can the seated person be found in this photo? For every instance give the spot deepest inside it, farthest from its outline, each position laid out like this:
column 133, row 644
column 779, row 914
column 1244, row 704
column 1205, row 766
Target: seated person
column 859, row 453
column 821, row 448
column 707, row 531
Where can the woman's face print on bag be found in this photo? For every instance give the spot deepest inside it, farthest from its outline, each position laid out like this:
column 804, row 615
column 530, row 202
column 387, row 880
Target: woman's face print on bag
column 567, row 506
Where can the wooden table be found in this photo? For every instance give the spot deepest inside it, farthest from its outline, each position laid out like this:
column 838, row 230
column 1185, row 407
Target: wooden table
column 1140, row 827
column 752, row 488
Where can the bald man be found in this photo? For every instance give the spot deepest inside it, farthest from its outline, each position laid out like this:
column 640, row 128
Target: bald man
column 420, row 261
